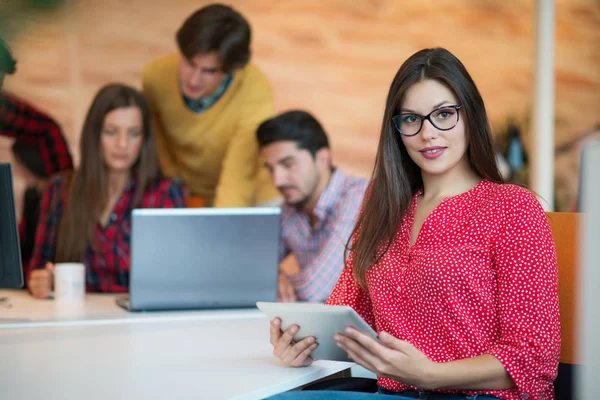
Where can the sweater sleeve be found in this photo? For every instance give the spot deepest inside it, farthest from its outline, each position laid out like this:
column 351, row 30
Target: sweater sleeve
column 238, row 178
column 527, row 274
column 163, row 149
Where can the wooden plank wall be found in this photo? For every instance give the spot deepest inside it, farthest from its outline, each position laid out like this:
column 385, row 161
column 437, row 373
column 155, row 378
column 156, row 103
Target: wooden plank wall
column 335, row 58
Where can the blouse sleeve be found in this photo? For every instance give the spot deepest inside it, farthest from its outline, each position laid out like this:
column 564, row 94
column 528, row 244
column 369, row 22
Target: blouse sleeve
column 45, row 239
column 168, row 164
column 238, row 179
column 527, row 274
column 347, row 292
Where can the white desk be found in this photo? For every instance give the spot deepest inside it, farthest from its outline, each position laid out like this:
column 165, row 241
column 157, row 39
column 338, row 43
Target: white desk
column 228, row 359
column 26, row 311
column 104, row 352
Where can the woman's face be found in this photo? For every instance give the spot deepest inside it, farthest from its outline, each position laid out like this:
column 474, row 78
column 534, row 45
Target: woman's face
column 122, row 138
column 435, row 151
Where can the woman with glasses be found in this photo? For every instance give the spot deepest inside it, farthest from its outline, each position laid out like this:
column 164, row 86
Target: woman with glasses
column 455, row 269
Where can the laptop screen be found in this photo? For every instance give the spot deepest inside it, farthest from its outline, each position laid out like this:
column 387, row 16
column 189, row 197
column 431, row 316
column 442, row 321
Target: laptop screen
column 204, row 257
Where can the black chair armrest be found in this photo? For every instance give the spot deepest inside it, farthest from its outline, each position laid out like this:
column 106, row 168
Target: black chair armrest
column 365, row 385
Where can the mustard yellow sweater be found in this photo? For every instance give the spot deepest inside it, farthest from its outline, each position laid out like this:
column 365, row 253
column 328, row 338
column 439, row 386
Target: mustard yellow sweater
column 215, row 152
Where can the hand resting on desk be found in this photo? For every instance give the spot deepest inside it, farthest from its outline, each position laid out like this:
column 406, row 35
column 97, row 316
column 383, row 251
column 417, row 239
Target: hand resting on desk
column 40, row 281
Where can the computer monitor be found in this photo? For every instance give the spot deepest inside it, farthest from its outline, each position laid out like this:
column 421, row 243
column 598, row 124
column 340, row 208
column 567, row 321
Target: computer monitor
column 11, row 272
column 588, row 385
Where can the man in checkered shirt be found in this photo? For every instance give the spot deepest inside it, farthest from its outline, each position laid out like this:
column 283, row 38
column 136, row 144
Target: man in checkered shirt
column 39, row 151
column 321, row 203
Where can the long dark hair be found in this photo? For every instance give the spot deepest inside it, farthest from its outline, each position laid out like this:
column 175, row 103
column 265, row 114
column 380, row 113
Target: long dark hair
column 87, row 188
column 396, row 178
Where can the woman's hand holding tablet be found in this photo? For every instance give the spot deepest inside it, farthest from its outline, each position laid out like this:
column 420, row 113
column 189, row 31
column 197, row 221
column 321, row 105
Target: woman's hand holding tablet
column 292, row 354
column 301, row 332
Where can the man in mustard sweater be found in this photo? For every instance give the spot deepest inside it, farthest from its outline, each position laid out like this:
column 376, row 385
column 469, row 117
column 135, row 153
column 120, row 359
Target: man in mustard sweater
column 207, row 101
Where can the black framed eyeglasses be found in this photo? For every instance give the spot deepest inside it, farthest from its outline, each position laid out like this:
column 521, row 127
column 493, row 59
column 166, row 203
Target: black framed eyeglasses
column 443, row 118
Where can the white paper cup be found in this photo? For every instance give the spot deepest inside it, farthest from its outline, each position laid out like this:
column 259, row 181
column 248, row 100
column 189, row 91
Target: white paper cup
column 69, row 282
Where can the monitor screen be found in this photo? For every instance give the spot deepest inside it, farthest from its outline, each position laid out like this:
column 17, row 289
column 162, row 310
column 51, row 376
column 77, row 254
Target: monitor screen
column 11, row 273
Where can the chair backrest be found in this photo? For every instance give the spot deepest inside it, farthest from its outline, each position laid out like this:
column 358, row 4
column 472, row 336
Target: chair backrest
column 195, row 202
column 565, row 230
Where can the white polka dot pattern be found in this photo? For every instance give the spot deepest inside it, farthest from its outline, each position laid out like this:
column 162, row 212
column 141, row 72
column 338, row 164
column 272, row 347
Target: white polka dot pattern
column 482, row 278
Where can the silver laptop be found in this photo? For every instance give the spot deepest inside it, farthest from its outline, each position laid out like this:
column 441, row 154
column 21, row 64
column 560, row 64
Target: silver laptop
column 203, row 258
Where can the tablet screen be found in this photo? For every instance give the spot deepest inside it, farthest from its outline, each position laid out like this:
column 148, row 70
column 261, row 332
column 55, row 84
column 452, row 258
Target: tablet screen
column 318, row 320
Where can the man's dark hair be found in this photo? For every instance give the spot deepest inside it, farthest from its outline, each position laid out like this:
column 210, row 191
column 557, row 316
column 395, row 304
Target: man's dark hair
column 216, row 28
column 296, row 126
column 8, row 64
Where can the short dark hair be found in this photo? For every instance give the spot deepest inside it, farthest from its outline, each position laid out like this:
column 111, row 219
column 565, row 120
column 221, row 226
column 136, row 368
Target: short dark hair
column 8, row 65
column 216, row 28
column 30, row 156
column 296, row 126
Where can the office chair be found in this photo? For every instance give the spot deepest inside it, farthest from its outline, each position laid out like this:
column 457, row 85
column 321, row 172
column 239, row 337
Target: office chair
column 565, row 230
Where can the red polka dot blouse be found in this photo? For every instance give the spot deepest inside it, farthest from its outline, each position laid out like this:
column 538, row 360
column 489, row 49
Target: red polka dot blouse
column 481, row 278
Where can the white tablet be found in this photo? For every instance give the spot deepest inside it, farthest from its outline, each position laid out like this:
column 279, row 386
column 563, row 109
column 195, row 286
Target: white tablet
column 318, row 320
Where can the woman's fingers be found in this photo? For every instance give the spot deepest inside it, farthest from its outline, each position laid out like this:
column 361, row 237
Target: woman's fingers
column 285, row 340
column 296, row 355
column 304, row 359
column 275, row 331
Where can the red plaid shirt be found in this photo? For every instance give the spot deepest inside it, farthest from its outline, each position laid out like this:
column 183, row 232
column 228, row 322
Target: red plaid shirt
column 107, row 268
column 26, row 124
column 23, row 122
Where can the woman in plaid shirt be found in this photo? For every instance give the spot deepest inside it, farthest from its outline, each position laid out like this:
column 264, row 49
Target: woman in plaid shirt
column 86, row 215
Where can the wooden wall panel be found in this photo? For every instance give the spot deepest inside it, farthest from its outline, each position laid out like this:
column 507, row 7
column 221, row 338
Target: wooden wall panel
column 335, row 58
